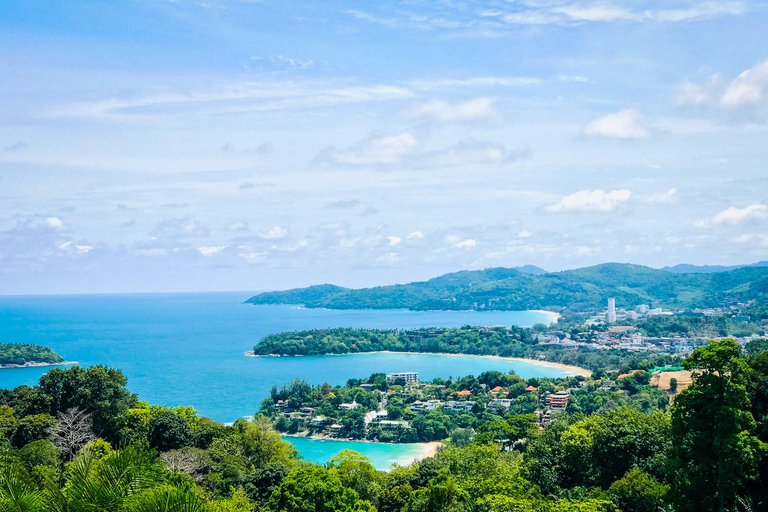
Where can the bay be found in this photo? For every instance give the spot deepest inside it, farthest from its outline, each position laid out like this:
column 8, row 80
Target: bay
column 188, row 349
column 382, row 455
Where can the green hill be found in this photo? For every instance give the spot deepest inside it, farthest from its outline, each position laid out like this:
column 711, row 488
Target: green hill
column 510, row 289
column 12, row 354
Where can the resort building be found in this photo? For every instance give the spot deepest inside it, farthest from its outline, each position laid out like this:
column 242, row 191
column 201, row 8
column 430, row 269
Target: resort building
column 408, row 377
column 500, row 403
column 349, row 407
column 559, row 400
column 393, row 425
column 454, row 405
column 430, row 405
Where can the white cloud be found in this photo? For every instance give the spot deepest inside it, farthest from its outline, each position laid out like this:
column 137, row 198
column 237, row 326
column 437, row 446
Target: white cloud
column 237, row 227
column 596, row 12
column 187, row 227
column 591, row 201
column 733, row 215
column 394, row 240
column 402, row 150
column 55, row 222
column 479, row 81
column 416, row 234
column 466, row 243
column 625, row 124
column 238, row 97
column 373, row 151
column 524, row 234
column 746, row 92
column 211, row 251
column 276, row 233
column 749, row 89
column 475, row 110
column 583, row 250
column 663, row 198
column 572, row 78
column 73, row 248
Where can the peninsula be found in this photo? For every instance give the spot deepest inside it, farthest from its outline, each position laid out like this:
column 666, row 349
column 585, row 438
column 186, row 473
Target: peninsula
column 19, row 355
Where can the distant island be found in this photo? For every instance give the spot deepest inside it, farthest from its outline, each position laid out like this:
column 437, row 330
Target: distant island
column 15, row 355
column 505, row 289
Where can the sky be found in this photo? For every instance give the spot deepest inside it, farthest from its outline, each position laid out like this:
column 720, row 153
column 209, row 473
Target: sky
column 155, row 145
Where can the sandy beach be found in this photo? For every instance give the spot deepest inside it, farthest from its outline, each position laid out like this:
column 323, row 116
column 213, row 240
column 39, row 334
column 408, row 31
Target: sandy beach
column 574, row 369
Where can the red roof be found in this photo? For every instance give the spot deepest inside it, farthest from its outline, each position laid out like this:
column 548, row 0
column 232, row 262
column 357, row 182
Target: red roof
column 496, row 389
column 464, row 392
column 531, row 388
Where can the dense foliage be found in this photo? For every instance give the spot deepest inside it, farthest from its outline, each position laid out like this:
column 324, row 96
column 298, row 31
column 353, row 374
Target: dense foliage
column 497, row 341
column 706, row 452
column 510, row 289
column 22, row 353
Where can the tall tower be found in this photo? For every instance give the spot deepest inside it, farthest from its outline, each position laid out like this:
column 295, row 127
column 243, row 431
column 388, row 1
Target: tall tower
column 611, row 316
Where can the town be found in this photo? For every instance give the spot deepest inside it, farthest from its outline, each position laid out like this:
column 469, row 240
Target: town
column 628, row 329
column 398, row 407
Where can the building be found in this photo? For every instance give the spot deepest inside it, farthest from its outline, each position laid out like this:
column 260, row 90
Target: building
column 610, row 317
column 500, row 403
column 559, row 400
column 393, row 425
column 408, row 377
column 427, row 406
column 454, row 405
column 464, row 392
column 348, row 407
column 320, row 421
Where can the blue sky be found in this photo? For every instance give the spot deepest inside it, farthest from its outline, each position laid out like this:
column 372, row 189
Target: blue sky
column 155, row 145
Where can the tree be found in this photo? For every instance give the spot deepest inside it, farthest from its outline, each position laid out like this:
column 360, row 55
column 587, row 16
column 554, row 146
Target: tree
column 638, row 491
column 315, row 489
column 190, row 461
column 673, row 385
column 356, row 472
column 32, row 428
column 169, row 432
column 714, row 453
column 97, row 390
column 72, row 431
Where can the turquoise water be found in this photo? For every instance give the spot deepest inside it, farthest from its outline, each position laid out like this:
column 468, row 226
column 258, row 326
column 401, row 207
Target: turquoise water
column 187, row 349
column 382, row 455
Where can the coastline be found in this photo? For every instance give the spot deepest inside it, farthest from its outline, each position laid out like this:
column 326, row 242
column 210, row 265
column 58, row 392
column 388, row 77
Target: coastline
column 33, row 364
column 574, row 369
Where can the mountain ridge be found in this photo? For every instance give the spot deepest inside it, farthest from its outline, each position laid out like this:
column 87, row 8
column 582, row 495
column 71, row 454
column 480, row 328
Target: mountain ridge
column 500, row 288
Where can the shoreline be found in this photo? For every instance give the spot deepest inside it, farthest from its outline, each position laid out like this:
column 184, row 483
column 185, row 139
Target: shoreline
column 574, row 369
column 33, row 364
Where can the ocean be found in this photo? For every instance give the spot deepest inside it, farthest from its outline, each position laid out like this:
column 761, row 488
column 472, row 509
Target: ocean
column 188, row 349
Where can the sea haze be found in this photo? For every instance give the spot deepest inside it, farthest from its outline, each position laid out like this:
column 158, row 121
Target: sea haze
column 188, row 349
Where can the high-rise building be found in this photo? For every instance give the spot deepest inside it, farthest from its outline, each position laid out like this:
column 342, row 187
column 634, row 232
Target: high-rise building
column 610, row 317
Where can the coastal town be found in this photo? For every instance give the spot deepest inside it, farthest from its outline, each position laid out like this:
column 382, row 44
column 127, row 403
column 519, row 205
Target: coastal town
column 399, row 407
column 627, row 329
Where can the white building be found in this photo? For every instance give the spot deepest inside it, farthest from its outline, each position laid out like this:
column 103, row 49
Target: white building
column 408, row 377
column 430, row 405
column 610, row 317
column 454, row 405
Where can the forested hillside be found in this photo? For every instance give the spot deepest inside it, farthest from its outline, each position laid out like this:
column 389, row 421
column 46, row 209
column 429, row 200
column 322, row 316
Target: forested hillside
column 510, row 289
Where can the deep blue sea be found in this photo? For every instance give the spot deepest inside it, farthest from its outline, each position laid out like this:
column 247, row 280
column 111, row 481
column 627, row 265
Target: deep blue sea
column 188, row 349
